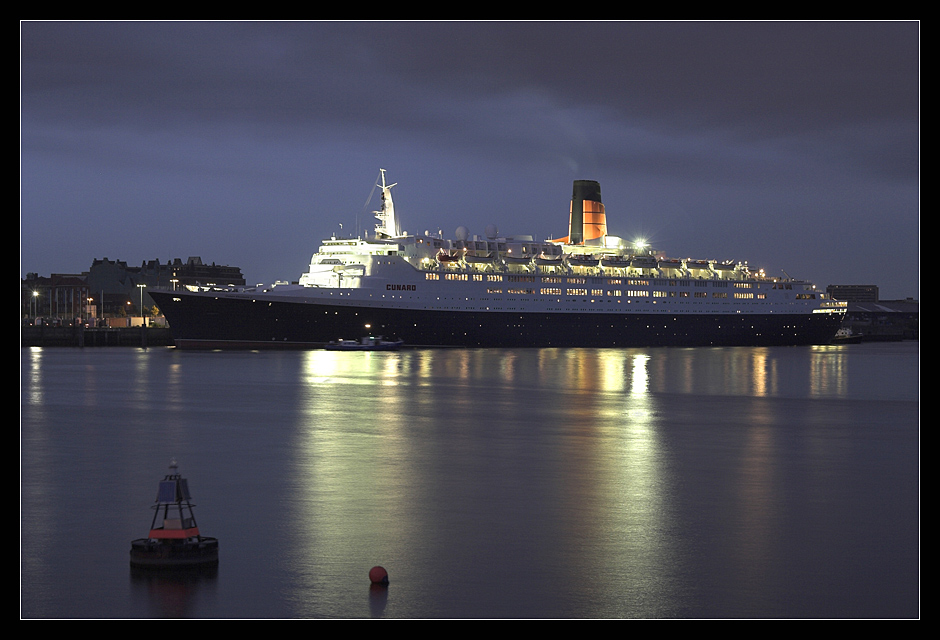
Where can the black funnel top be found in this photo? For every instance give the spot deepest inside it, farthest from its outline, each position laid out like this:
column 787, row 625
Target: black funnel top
column 586, row 190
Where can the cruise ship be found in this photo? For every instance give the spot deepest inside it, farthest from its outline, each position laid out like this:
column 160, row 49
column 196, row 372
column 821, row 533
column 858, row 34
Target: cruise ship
column 588, row 289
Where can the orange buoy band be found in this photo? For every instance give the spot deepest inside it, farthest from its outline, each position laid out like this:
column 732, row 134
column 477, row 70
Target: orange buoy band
column 174, row 534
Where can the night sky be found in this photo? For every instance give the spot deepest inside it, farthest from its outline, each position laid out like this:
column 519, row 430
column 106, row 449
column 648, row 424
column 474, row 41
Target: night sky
column 792, row 146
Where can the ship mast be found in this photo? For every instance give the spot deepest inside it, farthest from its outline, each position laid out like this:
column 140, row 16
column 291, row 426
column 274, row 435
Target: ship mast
column 388, row 224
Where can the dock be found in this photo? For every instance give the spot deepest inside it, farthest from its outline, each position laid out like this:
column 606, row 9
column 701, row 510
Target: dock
column 48, row 336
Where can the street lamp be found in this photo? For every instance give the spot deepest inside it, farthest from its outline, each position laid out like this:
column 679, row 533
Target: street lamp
column 142, row 287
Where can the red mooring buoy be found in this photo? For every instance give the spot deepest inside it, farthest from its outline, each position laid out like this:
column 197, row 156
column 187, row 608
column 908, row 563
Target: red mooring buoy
column 378, row 575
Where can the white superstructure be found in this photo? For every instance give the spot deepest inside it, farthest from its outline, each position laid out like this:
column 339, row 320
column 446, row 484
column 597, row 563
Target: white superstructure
column 519, row 273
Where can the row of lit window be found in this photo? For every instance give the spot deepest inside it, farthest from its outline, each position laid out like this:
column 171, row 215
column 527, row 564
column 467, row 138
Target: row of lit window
column 597, row 292
column 631, row 293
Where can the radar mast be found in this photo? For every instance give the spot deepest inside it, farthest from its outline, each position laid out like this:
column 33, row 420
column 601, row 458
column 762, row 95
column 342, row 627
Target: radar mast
column 388, row 226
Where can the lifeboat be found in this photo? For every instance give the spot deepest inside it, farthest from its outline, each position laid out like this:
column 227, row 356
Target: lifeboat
column 543, row 260
column 644, row 263
column 517, row 259
column 174, row 540
column 471, row 258
column 582, row 260
column 444, row 256
column 615, row 262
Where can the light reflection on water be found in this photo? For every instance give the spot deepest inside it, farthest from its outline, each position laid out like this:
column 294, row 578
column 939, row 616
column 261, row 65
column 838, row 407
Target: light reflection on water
column 515, row 483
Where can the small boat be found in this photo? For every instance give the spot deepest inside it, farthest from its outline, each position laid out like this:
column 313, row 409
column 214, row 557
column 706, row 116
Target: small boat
column 582, row 260
column 444, row 256
column 615, row 262
column 174, row 541
column 702, row 265
column 847, row 336
column 519, row 259
column 472, row 258
column 368, row 343
column 644, row 262
column 543, row 260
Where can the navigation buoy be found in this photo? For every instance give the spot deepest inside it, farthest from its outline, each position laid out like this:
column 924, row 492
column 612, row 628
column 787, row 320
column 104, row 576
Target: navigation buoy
column 174, row 540
column 378, row 575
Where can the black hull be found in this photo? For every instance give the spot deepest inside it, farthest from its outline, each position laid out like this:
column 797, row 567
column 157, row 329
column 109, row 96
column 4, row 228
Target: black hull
column 207, row 322
column 171, row 555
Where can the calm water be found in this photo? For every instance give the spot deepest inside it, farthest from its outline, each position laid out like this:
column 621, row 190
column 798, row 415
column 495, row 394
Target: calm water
column 650, row 483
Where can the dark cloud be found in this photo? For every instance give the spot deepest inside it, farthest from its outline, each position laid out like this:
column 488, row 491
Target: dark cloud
column 809, row 131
